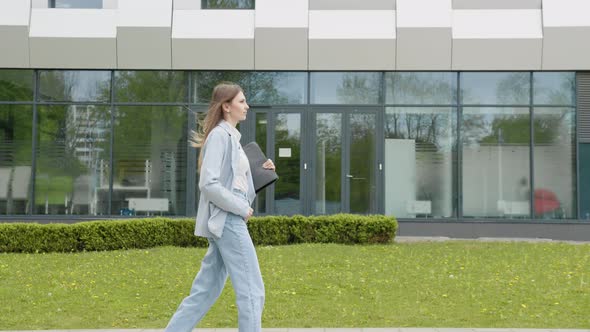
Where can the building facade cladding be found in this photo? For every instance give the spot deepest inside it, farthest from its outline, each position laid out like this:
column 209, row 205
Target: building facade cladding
column 367, row 107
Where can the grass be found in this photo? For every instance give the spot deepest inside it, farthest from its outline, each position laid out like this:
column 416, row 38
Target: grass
column 451, row 284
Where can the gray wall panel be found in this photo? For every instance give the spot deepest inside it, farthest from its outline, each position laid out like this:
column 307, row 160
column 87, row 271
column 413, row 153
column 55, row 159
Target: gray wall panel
column 497, row 54
column 82, row 53
column 144, row 48
column 281, row 48
column 346, row 54
column 424, row 48
column 564, row 49
column 229, row 54
column 497, row 4
column 351, row 4
column 14, row 46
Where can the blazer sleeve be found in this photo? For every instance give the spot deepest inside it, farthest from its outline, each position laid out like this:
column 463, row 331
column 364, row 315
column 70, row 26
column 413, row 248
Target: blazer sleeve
column 209, row 183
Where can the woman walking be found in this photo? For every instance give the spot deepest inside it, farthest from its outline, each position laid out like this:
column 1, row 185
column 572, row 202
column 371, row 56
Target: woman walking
column 227, row 191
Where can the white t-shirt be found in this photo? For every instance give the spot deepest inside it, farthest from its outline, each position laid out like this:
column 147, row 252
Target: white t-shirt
column 240, row 178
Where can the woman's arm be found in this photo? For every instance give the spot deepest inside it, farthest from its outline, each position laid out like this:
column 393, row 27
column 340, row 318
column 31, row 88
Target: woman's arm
column 209, row 184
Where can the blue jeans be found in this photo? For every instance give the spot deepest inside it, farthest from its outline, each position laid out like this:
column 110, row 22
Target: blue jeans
column 231, row 254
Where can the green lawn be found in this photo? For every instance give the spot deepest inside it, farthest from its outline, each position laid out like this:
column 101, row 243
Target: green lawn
column 451, row 284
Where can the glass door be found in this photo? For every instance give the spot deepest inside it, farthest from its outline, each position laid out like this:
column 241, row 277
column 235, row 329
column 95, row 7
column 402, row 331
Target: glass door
column 278, row 132
column 345, row 162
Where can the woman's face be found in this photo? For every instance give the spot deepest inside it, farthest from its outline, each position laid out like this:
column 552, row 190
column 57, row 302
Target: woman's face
column 238, row 108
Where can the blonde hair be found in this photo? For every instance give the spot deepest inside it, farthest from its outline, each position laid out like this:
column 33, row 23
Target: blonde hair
column 223, row 92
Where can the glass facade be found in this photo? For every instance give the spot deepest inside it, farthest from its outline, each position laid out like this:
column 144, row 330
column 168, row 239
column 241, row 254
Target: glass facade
column 427, row 145
column 227, row 4
column 96, row 4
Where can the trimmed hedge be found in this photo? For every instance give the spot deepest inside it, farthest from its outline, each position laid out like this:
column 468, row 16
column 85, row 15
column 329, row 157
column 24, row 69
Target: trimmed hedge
column 152, row 232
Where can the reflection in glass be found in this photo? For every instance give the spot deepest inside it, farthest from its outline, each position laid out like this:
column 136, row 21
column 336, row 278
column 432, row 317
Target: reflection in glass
column 69, row 85
column 496, row 145
column 16, row 85
column 363, row 188
column 72, row 160
column 205, row 81
column 495, row 88
column 261, row 126
column 287, row 161
column 278, row 88
column 75, row 4
column 419, row 159
column 555, row 163
column 420, row 88
column 345, row 88
column 150, row 149
column 554, row 88
column 227, row 4
column 150, row 86
column 328, row 163
column 15, row 158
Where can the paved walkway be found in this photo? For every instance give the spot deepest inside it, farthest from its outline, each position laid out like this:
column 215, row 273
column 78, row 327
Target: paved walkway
column 406, row 239
column 404, row 329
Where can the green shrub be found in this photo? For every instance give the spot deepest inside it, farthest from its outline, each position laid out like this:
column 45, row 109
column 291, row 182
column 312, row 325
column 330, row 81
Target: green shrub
column 152, row 232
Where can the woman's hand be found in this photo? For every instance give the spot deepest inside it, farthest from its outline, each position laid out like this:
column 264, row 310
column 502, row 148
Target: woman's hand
column 250, row 213
column 269, row 165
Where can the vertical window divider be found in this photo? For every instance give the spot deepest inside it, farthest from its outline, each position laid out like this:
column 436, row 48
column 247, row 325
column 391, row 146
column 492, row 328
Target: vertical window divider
column 576, row 148
column 31, row 190
column 112, row 143
column 380, row 158
column 532, row 148
column 459, row 167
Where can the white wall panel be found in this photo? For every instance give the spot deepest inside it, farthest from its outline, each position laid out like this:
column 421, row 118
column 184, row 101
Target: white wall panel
column 424, row 34
column 14, row 33
column 84, row 38
column 213, row 39
column 143, row 34
column 497, row 39
column 566, row 28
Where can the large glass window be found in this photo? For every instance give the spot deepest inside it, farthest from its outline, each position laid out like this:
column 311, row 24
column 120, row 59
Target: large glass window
column 227, row 4
column 16, row 85
column 419, row 159
column 82, row 86
column 150, row 151
column 204, row 82
column 150, row 86
column 75, row 4
column 15, row 158
column 345, row 88
column 73, row 155
column 555, row 163
column 278, row 88
column 495, row 88
column 495, row 152
column 420, row 88
column 554, row 88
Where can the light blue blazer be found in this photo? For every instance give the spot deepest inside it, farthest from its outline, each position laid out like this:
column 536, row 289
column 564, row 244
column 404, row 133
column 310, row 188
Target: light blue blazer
column 220, row 162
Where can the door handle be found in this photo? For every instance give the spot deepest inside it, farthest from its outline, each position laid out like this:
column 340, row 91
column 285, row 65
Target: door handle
column 353, row 178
